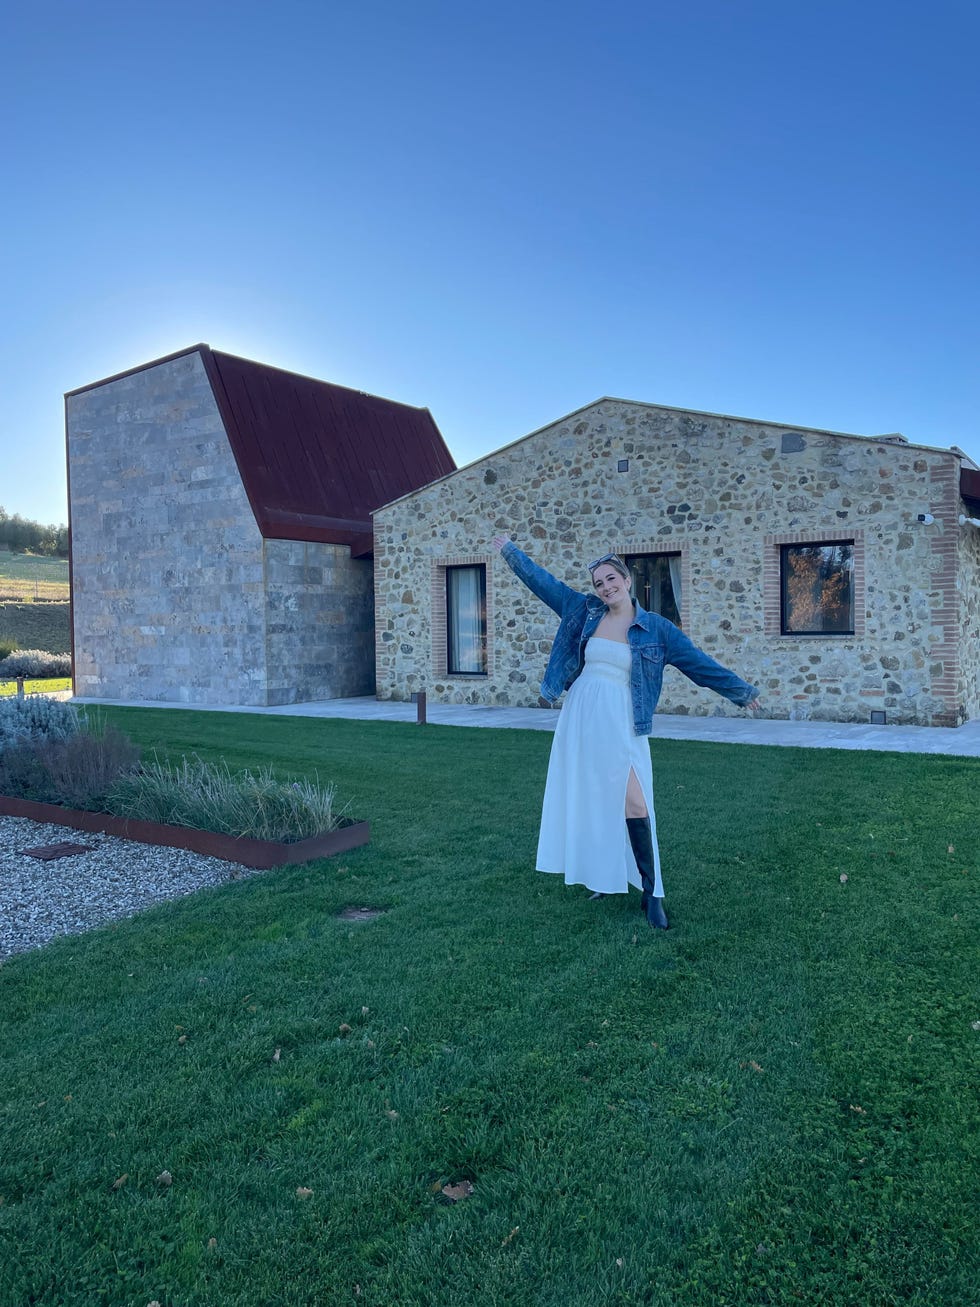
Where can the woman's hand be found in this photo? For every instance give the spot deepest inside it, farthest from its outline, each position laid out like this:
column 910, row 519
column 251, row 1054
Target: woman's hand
column 754, row 706
column 498, row 542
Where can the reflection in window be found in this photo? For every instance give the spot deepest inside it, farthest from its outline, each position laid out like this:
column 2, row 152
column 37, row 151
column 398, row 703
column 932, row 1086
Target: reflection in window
column 817, row 588
column 466, row 620
column 657, row 583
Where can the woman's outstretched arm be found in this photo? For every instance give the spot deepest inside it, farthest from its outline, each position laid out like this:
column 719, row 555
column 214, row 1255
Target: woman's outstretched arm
column 556, row 594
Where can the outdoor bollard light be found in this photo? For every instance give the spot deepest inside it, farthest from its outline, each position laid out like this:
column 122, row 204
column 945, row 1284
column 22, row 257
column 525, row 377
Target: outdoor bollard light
column 418, row 698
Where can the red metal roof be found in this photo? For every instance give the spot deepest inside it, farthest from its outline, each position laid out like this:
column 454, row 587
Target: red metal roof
column 317, row 459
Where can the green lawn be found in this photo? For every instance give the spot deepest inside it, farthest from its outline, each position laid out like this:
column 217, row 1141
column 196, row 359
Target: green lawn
column 49, row 686
column 773, row 1103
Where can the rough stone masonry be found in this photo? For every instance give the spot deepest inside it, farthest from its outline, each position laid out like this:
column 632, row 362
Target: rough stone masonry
column 725, row 494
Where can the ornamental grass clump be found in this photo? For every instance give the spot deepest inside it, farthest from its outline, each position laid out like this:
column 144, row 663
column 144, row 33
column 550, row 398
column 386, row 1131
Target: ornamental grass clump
column 209, row 796
column 82, row 770
column 62, row 756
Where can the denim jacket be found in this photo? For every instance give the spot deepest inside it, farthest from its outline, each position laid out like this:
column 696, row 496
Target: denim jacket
column 654, row 642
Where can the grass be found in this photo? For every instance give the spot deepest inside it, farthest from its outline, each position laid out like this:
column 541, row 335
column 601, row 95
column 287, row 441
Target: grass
column 49, row 686
column 26, row 579
column 772, row 1103
column 32, row 576
column 37, row 626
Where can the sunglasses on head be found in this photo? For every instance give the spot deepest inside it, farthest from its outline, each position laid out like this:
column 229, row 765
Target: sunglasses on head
column 606, row 558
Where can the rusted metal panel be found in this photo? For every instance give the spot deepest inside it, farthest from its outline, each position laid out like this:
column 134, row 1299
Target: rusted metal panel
column 316, row 459
column 232, row 848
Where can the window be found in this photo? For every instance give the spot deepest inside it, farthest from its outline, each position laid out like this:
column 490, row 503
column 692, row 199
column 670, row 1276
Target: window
column 466, row 620
column 817, row 589
column 657, row 583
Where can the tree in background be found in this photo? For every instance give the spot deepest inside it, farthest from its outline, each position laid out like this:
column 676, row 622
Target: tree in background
column 21, row 535
column 817, row 594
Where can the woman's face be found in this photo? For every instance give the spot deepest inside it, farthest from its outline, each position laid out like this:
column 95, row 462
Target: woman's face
column 610, row 585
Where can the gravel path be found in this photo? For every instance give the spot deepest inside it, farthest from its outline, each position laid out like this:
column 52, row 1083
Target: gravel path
column 41, row 900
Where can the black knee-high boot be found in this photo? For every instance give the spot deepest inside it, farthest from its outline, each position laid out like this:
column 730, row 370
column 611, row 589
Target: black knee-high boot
column 641, row 839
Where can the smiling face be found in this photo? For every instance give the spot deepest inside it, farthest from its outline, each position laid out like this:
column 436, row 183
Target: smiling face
column 612, row 587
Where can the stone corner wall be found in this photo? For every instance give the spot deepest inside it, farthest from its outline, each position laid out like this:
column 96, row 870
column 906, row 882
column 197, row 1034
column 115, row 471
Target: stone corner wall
column 724, row 495
column 320, row 622
column 968, row 567
column 167, row 584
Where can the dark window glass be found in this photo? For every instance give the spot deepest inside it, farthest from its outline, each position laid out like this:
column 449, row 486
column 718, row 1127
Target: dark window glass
column 657, row 583
column 466, row 620
column 817, row 588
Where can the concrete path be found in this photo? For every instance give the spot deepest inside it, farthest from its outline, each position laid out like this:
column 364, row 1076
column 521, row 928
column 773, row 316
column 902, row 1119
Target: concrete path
column 963, row 741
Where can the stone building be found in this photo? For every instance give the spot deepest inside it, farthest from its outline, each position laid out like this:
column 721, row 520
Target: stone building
column 838, row 572
column 221, row 536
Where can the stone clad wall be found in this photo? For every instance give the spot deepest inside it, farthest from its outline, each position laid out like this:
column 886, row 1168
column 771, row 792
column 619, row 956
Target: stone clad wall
column 167, row 577
column 969, row 600
column 320, row 622
column 724, row 492
column 176, row 596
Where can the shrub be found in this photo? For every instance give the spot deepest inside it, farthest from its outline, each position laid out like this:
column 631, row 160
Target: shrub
column 22, row 774
column 7, row 646
column 38, row 664
column 207, row 796
column 35, row 718
column 81, row 770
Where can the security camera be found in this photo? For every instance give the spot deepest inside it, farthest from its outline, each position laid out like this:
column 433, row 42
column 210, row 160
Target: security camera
column 927, row 518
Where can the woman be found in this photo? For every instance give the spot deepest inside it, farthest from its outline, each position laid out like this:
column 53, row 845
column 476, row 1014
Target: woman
column 610, row 654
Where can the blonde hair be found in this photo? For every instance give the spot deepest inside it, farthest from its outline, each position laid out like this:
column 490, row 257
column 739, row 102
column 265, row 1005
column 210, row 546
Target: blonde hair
column 614, row 562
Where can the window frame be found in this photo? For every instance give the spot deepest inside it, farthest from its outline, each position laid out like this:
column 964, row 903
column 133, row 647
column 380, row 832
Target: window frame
column 783, row 549
column 771, row 595
column 632, row 554
column 481, row 569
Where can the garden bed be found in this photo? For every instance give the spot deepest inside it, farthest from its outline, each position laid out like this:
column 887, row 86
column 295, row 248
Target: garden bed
column 259, row 854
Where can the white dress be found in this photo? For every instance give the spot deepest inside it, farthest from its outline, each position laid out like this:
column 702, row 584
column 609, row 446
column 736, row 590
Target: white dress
column 583, row 820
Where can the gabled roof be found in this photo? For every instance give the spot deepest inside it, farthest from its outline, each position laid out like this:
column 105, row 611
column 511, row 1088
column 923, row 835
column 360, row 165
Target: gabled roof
column 969, row 476
column 316, row 459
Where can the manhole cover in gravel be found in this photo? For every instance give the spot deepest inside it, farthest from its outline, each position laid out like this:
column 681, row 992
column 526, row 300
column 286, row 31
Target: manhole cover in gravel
column 48, row 852
column 359, row 914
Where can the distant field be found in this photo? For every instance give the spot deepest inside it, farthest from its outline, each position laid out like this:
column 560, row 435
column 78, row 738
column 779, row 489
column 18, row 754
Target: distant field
column 50, row 686
column 37, row 626
column 29, row 576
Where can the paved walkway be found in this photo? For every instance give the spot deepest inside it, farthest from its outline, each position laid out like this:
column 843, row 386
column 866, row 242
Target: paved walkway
column 963, row 741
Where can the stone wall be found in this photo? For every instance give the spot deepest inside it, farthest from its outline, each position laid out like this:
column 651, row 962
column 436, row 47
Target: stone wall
column 320, row 622
column 969, row 599
column 724, row 493
column 176, row 597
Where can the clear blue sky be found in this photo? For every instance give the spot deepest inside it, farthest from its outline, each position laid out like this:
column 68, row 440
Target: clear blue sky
column 499, row 211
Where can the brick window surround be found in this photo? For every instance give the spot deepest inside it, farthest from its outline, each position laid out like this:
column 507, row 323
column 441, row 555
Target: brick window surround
column 772, row 596
column 440, row 639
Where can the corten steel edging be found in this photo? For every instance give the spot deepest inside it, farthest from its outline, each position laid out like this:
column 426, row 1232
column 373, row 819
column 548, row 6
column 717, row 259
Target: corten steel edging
column 258, row 854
